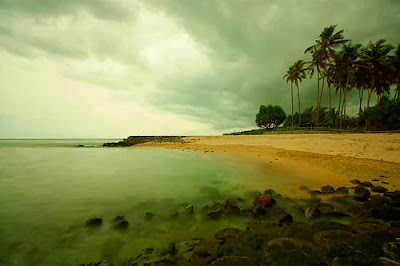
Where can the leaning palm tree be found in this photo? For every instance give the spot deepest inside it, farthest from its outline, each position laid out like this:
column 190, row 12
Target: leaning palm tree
column 299, row 73
column 376, row 57
column 323, row 52
column 289, row 76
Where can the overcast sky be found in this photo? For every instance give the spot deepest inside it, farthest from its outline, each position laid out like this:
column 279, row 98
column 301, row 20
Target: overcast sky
column 113, row 68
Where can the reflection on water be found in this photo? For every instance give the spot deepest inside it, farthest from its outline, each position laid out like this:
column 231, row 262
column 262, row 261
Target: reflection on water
column 49, row 188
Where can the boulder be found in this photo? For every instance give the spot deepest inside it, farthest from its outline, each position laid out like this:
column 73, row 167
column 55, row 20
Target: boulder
column 149, row 215
column 232, row 260
column 379, row 189
column 259, row 211
column 205, row 252
column 93, row 222
column 327, row 189
column 264, row 200
column 227, row 233
column 121, row 225
column 355, row 181
column 395, row 195
column 190, row 209
column 342, row 190
column 361, row 194
column 230, row 203
column 299, row 230
column 335, row 242
column 280, row 216
column 289, row 251
column 118, row 219
column 366, row 184
column 324, row 208
column 215, row 214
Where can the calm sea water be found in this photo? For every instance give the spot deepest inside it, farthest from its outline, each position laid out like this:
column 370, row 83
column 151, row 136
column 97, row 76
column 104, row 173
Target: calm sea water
column 48, row 188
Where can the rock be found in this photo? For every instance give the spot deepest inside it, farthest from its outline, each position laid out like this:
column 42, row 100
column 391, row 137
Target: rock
column 324, row 208
column 100, row 263
column 232, row 260
column 289, row 251
column 190, row 209
column 377, row 202
column 315, row 192
column 366, row 184
column 336, row 214
column 149, row 215
column 383, row 261
column 335, row 242
column 205, row 252
column 118, row 219
column 342, row 190
column 386, row 183
column 216, row 206
column 258, row 233
column 379, row 189
column 331, row 225
column 374, row 228
column 269, row 191
column 312, row 213
column 230, row 203
column 93, row 222
column 387, row 213
column 327, row 189
column 171, row 248
column 361, row 193
column 280, row 215
column 259, row 211
column 121, row 225
column 264, row 200
column 375, row 180
column 395, row 195
column 227, row 233
column 215, row 214
column 299, row 230
column 355, row 181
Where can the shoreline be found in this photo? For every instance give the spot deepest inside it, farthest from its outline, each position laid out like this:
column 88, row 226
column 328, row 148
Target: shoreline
column 309, row 160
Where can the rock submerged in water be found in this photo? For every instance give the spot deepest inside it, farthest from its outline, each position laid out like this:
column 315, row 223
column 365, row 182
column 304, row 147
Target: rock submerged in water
column 361, row 193
column 93, row 222
column 215, row 214
column 264, row 200
column 327, row 189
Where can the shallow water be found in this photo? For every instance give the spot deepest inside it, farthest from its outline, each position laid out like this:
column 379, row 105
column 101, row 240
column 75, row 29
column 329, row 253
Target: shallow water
column 48, row 188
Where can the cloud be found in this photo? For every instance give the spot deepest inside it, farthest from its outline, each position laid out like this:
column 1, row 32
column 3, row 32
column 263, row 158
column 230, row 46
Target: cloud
column 207, row 64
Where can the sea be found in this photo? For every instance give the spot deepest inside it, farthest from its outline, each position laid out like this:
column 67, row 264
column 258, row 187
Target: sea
column 50, row 187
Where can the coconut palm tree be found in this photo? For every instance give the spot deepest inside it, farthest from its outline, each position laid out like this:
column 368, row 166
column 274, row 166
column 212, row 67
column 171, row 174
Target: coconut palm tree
column 295, row 74
column 323, row 52
column 396, row 68
column 289, row 76
column 376, row 57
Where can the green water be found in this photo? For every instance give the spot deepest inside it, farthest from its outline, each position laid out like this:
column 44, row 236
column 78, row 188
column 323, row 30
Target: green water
column 48, row 188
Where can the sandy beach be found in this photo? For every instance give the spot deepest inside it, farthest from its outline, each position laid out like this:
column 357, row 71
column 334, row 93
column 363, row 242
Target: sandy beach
column 310, row 160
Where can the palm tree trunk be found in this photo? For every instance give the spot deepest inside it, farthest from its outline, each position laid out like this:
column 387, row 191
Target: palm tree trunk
column 340, row 107
column 369, row 97
column 317, row 116
column 360, row 96
column 320, row 97
column 298, row 98
column 330, row 97
column 291, row 95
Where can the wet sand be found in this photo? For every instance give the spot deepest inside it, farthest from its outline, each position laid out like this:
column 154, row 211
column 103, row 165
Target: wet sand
column 310, row 160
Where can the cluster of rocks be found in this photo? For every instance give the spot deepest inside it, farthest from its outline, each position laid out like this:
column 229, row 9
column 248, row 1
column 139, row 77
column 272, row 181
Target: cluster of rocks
column 346, row 226
column 133, row 140
column 118, row 223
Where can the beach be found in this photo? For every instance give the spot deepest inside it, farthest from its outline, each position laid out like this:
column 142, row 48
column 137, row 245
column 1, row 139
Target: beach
column 310, row 160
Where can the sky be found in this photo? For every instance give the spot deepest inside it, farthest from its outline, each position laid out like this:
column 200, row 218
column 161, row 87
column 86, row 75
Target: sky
column 114, row 68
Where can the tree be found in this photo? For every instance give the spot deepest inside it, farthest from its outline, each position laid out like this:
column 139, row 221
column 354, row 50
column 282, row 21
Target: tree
column 396, row 72
column 270, row 116
column 295, row 74
column 376, row 58
column 323, row 52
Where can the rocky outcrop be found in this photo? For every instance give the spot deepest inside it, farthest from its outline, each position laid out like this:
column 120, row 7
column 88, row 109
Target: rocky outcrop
column 133, row 140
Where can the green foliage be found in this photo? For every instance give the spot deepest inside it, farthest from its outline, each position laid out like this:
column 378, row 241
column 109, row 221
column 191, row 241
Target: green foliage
column 270, row 116
column 383, row 116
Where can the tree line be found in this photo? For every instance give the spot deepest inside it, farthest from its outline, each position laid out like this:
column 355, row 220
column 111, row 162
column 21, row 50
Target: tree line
column 341, row 66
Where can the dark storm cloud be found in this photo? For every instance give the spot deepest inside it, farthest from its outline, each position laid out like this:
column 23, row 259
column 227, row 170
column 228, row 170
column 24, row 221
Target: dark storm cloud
column 264, row 38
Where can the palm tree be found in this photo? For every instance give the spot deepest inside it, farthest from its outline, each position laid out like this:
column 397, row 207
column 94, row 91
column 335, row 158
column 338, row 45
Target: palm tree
column 375, row 56
column 396, row 68
column 295, row 74
column 289, row 77
column 323, row 52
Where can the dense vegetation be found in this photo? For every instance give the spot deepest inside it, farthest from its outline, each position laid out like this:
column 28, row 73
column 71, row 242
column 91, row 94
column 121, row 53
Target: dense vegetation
column 342, row 66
